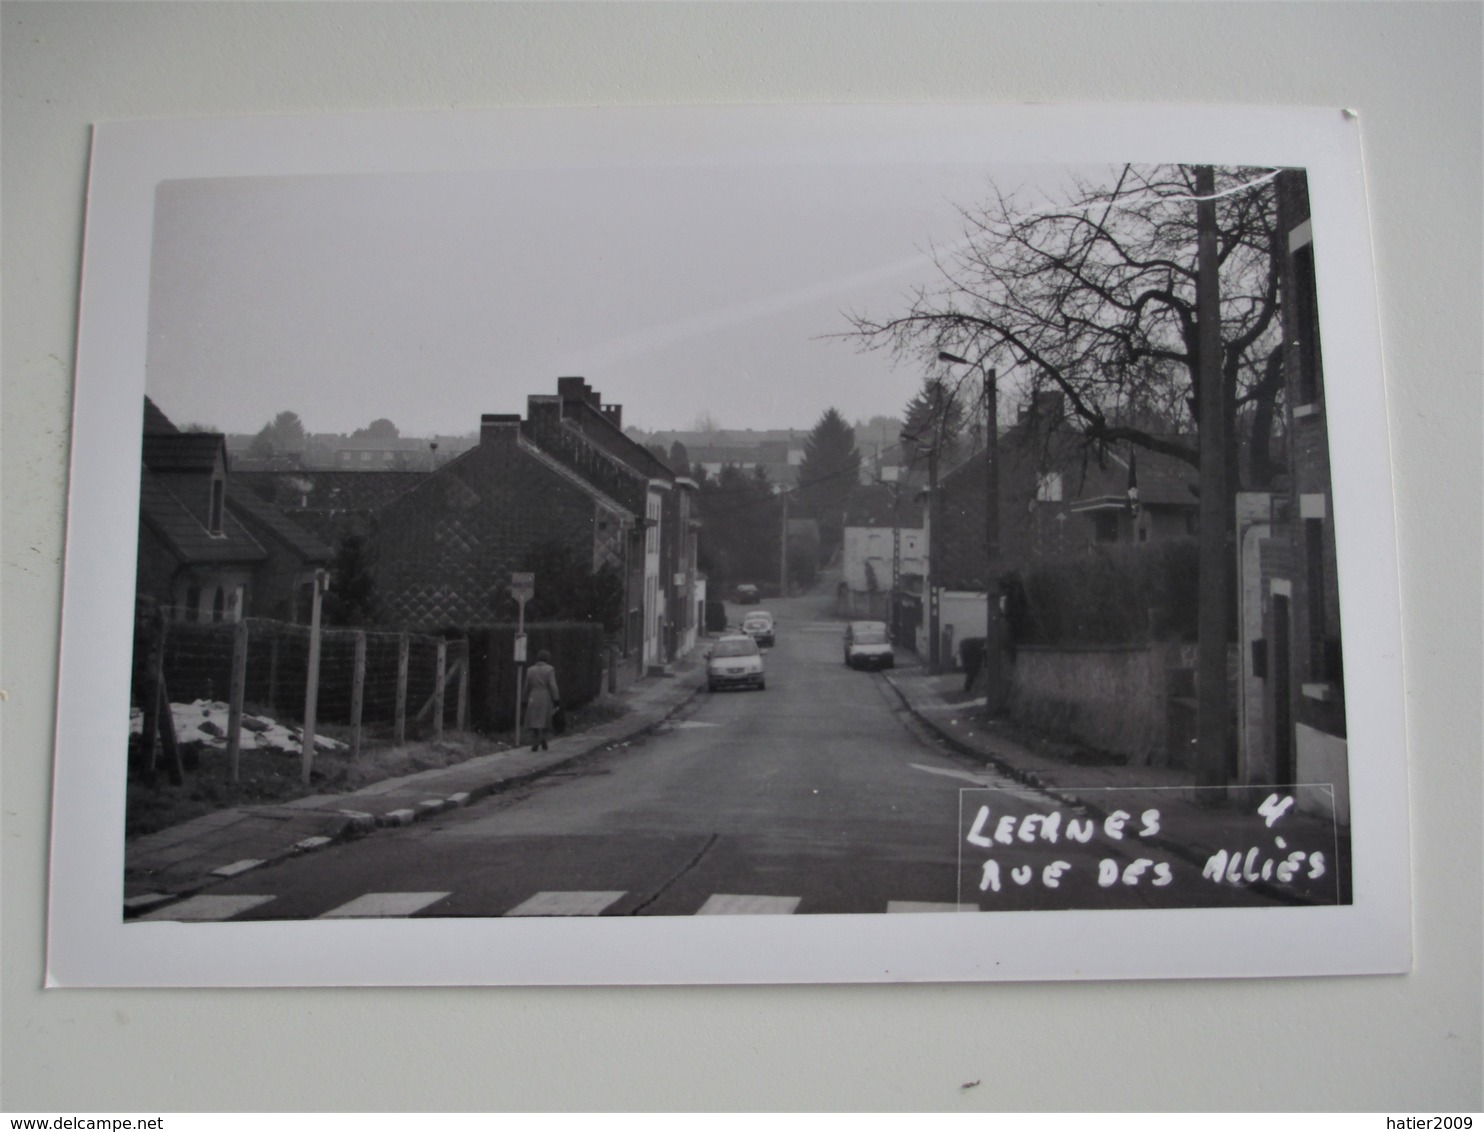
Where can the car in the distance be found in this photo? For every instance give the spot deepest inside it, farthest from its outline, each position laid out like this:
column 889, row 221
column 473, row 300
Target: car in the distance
column 748, row 595
column 868, row 645
column 735, row 661
column 758, row 624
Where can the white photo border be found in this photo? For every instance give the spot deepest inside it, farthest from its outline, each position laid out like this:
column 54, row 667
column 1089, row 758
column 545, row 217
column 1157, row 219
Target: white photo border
column 90, row 945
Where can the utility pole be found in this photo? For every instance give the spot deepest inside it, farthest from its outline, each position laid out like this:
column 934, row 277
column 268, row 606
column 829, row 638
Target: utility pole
column 1211, row 611
column 896, row 558
column 783, row 550
column 993, row 622
column 311, row 681
column 935, row 522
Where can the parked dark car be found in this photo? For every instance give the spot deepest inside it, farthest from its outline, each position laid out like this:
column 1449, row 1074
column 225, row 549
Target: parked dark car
column 716, row 617
column 748, row 595
column 758, row 624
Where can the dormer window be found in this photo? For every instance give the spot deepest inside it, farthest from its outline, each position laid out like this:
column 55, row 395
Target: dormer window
column 218, row 501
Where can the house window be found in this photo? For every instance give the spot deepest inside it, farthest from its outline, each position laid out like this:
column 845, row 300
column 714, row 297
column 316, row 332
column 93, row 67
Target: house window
column 1306, row 319
column 1048, row 487
column 193, row 603
column 219, row 604
column 218, row 498
column 1105, row 525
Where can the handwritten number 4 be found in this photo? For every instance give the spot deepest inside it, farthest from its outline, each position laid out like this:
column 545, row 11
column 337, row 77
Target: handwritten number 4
column 1273, row 808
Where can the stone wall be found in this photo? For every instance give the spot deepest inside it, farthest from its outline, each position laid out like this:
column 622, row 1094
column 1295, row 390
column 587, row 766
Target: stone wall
column 1111, row 698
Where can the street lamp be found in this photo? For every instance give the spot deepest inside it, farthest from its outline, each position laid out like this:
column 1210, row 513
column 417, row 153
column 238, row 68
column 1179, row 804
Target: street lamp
column 942, row 407
column 992, row 621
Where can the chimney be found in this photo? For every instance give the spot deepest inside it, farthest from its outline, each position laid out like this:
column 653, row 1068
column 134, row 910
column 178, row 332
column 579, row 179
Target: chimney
column 495, row 428
column 572, row 389
column 614, row 415
column 543, row 412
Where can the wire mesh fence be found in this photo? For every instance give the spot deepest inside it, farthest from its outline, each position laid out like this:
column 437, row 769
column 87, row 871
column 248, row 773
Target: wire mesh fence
column 395, row 684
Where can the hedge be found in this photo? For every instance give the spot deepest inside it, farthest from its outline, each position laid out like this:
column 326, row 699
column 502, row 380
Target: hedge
column 1111, row 595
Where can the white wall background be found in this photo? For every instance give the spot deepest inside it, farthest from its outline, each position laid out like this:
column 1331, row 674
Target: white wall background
column 1413, row 71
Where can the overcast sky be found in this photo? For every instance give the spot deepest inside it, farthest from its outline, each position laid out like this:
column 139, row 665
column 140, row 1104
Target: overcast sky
column 433, row 298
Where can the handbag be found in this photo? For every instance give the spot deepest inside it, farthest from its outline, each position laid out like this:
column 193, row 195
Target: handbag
column 558, row 721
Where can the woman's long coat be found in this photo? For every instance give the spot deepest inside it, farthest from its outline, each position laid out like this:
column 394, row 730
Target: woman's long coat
column 541, row 695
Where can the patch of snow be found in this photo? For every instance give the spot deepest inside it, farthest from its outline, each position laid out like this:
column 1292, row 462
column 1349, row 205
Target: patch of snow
column 205, row 722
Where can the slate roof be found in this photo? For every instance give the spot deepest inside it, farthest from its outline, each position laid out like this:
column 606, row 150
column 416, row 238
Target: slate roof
column 268, row 519
column 155, row 422
column 602, row 433
column 329, row 490
column 1163, row 481
column 184, row 535
column 183, row 451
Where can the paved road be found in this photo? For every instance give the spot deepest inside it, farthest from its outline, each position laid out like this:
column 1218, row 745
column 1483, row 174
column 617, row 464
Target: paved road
column 818, row 795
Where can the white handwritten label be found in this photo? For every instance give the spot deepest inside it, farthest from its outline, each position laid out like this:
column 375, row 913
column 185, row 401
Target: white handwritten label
column 1019, row 856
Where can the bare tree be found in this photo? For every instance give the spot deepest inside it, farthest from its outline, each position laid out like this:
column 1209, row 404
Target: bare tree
column 1094, row 294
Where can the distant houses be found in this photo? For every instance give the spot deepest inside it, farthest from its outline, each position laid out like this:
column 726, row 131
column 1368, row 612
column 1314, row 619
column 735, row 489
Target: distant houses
column 778, row 452
column 327, row 451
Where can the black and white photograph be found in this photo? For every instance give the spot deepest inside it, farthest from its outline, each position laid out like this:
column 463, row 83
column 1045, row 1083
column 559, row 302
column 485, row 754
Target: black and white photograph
column 570, row 517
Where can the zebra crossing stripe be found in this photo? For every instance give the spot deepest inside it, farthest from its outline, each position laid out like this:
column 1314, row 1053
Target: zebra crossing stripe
column 384, row 905
column 927, row 906
column 565, row 904
column 207, row 908
column 394, row 905
column 723, row 904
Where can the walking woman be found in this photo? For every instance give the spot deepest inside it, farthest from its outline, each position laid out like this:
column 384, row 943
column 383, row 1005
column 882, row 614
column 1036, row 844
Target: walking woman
column 542, row 699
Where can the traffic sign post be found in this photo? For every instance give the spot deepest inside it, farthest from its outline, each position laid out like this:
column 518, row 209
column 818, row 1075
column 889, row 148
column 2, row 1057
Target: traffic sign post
column 522, row 588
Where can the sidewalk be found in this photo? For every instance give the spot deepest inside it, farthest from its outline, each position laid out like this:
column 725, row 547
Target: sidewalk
column 939, row 703
column 178, row 862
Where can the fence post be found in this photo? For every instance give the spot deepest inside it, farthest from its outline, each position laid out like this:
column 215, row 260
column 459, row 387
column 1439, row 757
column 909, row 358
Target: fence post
column 234, row 711
column 400, row 724
column 155, row 683
column 461, row 720
column 273, row 672
column 357, row 694
column 311, row 683
column 440, row 674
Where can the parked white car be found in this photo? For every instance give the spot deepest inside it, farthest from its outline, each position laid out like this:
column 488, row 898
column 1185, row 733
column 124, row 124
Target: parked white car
column 868, row 645
column 735, row 661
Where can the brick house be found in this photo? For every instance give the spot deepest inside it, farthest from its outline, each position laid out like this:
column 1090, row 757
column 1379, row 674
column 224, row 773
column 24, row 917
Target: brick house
column 210, row 550
column 446, row 547
column 566, row 474
column 1056, row 498
column 1292, row 702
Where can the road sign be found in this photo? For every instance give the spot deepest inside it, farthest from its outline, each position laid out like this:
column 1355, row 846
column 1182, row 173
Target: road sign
column 523, row 587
